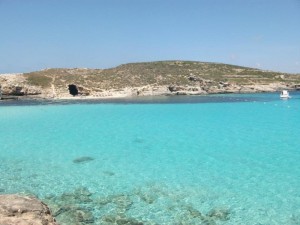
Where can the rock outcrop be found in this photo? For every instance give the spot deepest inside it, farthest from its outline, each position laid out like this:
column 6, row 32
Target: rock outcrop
column 23, row 210
column 16, row 84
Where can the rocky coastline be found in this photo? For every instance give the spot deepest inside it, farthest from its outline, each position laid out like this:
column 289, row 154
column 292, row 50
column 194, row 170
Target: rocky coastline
column 16, row 85
column 146, row 79
column 82, row 207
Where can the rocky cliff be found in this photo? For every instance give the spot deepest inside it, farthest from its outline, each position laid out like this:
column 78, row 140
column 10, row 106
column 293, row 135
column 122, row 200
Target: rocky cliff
column 143, row 79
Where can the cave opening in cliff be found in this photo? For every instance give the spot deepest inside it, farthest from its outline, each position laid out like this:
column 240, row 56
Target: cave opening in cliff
column 73, row 89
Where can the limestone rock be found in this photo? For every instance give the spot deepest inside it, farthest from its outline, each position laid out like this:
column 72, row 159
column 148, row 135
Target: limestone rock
column 23, row 210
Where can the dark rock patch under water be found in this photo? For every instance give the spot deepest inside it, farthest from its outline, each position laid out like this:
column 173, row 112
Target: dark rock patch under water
column 109, row 173
column 149, row 198
column 121, row 203
column 191, row 215
column 295, row 219
column 74, row 215
column 81, row 207
column 219, row 214
column 73, row 208
column 119, row 220
column 83, row 159
column 138, row 140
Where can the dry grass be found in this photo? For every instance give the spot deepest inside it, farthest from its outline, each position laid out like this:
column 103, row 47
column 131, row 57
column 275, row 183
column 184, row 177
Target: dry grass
column 156, row 73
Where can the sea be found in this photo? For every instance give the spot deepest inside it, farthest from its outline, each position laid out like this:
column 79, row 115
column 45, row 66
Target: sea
column 216, row 159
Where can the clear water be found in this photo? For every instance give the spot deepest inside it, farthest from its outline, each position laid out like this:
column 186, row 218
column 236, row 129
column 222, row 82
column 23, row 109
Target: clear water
column 238, row 154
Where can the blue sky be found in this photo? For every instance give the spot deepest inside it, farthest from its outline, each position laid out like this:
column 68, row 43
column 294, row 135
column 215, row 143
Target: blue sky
column 37, row 34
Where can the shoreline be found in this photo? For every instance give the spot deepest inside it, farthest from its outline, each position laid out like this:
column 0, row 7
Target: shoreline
column 157, row 99
column 126, row 96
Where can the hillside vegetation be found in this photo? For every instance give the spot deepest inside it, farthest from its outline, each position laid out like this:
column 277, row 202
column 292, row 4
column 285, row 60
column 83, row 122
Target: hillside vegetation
column 156, row 73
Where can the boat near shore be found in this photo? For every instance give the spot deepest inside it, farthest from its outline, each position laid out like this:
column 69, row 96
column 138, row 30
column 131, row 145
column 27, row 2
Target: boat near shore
column 285, row 94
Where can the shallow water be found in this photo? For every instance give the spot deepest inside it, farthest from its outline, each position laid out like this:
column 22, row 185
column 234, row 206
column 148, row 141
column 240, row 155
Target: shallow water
column 221, row 159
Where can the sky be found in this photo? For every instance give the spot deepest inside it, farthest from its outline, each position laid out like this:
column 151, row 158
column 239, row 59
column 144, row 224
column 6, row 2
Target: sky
column 39, row 34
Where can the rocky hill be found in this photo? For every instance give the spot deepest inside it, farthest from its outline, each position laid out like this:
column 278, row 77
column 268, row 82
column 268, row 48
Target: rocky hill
column 149, row 78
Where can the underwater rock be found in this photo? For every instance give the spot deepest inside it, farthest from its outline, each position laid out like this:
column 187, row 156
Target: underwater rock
column 147, row 197
column 84, row 216
column 120, row 219
column 189, row 215
column 150, row 193
column 24, row 210
column 219, row 214
column 83, row 159
column 81, row 207
column 59, row 210
column 138, row 140
column 33, row 176
column 73, row 207
column 208, row 221
column 194, row 216
column 109, row 173
column 79, row 196
column 102, row 201
column 123, row 202
column 82, row 191
column 295, row 219
column 74, row 215
column 194, row 212
column 72, row 198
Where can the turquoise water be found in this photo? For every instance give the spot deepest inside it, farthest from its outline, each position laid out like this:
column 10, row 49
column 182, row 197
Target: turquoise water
column 158, row 161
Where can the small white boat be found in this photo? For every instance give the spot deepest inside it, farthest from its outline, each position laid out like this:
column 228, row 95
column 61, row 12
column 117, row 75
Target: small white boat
column 285, row 94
